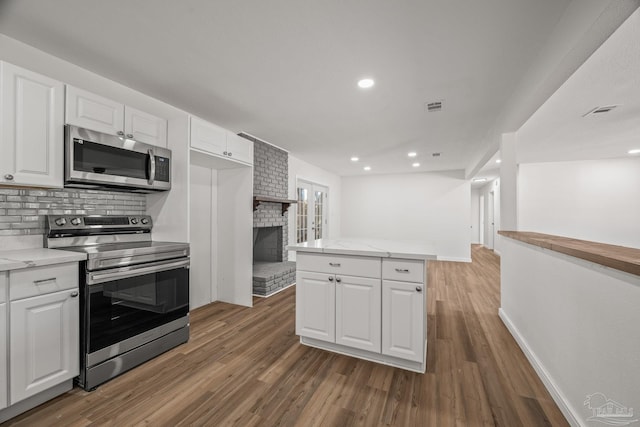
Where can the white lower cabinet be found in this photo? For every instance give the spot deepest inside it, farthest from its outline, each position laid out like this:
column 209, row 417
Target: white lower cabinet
column 373, row 318
column 3, row 355
column 315, row 306
column 358, row 312
column 44, row 342
column 403, row 325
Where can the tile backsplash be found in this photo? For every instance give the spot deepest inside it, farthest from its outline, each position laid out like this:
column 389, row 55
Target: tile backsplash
column 22, row 211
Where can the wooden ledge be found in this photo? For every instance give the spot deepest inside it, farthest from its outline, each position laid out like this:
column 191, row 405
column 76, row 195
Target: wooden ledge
column 284, row 202
column 618, row 257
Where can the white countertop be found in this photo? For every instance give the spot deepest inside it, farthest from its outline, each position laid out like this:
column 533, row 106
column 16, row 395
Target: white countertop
column 369, row 247
column 36, row 257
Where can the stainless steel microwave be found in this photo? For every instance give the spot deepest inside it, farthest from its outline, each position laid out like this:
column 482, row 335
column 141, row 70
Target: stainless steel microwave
column 99, row 160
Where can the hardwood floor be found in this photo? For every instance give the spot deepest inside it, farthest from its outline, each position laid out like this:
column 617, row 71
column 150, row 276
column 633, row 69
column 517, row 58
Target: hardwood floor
column 246, row 367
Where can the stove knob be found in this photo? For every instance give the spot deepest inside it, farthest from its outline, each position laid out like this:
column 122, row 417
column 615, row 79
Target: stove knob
column 134, row 221
column 76, row 221
column 61, row 221
column 144, row 221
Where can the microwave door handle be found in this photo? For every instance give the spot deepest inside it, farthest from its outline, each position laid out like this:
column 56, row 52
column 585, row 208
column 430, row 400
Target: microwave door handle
column 152, row 166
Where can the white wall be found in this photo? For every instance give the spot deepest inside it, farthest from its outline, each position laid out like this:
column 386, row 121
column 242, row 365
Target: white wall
column 492, row 186
column 577, row 322
column 589, row 200
column 433, row 207
column 299, row 169
column 475, row 215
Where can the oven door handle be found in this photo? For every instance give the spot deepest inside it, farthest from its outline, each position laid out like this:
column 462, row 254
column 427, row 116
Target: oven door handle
column 133, row 271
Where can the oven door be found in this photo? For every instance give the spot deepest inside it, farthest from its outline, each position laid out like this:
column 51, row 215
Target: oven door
column 129, row 306
column 98, row 159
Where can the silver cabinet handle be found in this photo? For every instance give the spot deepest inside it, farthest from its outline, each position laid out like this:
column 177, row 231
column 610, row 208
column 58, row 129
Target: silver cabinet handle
column 331, row 278
column 334, row 264
column 120, row 133
column 230, row 154
column 225, row 153
column 419, row 288
column 338, row 279
column 8, row 177
column 73, row 294
column 130, row 135
column 402, row 270
column 41, row 281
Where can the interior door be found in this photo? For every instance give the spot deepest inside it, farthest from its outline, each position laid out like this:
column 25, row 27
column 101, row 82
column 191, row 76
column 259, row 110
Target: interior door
column 311, row 214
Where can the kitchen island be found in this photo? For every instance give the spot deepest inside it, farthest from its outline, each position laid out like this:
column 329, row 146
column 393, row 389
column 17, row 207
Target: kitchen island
column 364, row 298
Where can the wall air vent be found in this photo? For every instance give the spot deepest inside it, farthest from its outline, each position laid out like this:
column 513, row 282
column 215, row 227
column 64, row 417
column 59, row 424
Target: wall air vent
column 433, row 106
column 600, row 110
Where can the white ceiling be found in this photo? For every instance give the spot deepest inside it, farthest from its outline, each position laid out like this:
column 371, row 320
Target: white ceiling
column 611, row 76
column 286, row 70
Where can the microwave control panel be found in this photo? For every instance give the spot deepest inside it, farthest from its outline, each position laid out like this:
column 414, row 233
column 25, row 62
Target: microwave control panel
column 163, row 168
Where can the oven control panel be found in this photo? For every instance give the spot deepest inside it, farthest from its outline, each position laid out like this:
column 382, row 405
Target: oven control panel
column 88, row 222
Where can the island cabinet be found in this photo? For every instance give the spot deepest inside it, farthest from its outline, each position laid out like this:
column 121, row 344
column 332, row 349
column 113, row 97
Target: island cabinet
column 364, row 306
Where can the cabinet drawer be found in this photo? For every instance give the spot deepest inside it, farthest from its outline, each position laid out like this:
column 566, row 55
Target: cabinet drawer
column 42, row 280
column 3, row 287
column 404, row 270
column 339, row 264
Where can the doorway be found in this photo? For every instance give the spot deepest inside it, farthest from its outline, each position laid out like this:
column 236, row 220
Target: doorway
column 311, row 214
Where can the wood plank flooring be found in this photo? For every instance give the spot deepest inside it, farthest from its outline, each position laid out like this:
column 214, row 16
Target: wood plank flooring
column 245, row 367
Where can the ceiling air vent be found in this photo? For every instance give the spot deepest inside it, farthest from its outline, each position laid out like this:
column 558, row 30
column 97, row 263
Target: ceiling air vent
column 433, row 106
column 435, row 154
column 600, row 110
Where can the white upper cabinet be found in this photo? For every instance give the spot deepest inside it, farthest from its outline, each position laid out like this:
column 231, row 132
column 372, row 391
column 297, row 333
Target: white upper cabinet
column 91, row 111
column 145, row 127
column 31, row 128
column 213, row 139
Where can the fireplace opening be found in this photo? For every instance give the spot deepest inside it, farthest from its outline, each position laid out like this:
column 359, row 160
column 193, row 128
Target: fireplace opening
column 267, row 244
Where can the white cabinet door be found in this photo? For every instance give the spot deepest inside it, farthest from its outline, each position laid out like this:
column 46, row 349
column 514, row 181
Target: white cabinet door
column 31, row 128
column 208, row 137
column 315, row 306
column 91, row 111
column 145, row 127
column 358, row 319
column 403, row 322
column 3, row 355
column 44, row 342
column 239, row 148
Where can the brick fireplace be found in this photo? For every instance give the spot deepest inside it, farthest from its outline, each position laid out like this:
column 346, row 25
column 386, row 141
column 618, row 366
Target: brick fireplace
column 271, row 269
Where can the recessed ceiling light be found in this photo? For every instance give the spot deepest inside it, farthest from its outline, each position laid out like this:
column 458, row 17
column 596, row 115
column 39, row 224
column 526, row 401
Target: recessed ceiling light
column 412, row 154
column 367, row 168
column 416, row 164
column 366, row 83
column 480, row 180
column 355, row 159
column 498, row 161
column 634, row 151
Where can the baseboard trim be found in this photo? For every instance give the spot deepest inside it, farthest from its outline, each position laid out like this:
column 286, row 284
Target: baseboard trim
column 276, row 292
column 549, row 383
column 454, row 259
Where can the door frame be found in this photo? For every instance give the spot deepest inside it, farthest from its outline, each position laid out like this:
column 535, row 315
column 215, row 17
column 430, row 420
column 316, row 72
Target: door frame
column 326, row 207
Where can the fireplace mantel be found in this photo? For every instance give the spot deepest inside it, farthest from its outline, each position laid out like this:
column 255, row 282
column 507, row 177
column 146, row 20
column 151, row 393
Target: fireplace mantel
column 284, row 202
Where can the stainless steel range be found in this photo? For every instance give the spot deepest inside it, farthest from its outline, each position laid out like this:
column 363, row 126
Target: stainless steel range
column 134, row 291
